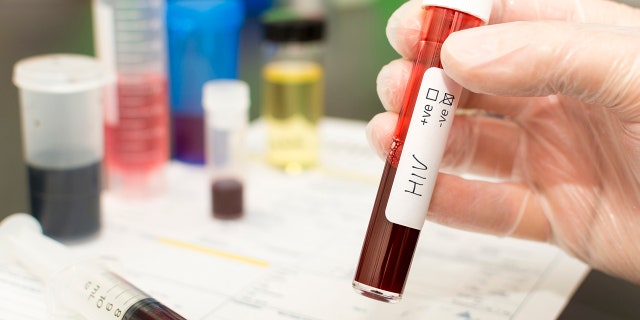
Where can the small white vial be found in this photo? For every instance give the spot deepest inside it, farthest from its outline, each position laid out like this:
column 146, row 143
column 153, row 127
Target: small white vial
column 226, row 105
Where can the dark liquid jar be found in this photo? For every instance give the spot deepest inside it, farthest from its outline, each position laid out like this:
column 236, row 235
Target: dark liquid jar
column 61, row 100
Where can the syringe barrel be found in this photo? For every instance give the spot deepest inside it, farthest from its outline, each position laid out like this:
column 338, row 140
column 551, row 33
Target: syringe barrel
column 97, row 294
column 76, row 286
column 92, row 292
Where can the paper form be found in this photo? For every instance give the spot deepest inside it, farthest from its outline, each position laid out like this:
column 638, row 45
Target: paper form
column 293, row 255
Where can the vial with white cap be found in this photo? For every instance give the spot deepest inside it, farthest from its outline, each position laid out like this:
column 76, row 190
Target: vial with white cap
column 61, row 100
column 226, row 104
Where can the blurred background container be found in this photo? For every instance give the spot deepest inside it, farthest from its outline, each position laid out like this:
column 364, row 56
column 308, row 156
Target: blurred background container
column 28, row 28
column 66, row 26
column 62, row 103
column 31, row 27
column 130, row 41
column 203, row 40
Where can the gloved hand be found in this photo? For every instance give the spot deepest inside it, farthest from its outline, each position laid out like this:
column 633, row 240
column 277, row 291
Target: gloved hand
column 552, row 116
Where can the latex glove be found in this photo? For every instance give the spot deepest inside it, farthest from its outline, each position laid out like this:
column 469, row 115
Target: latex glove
column 566, row 148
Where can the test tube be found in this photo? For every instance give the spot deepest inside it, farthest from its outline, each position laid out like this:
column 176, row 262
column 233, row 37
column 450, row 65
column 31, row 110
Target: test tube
column 61, row 101
column 226, row 103
column 76, row 286
column 130, row 39
column 203, row 39
column 418, row 144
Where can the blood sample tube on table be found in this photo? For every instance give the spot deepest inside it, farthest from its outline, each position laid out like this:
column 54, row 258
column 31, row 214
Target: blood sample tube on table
column 418, row 145
column 226, row 104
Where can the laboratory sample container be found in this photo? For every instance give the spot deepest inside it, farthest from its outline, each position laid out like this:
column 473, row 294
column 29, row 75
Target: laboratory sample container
column 203, row 38
column 411, row 167
column 226, row 104
column 61, row 103
column 131, row 40
column 293, row 91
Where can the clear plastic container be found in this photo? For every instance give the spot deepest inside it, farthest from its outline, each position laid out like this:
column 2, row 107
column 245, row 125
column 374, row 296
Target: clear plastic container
column 130, row 38
column 226, row 103
column 61, row 100
column 203, row 40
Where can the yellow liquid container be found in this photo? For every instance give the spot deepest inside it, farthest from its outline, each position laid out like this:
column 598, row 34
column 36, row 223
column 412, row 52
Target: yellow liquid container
column 292, row 107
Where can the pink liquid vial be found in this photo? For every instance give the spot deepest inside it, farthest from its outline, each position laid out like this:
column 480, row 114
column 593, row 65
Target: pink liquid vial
column 137, row 144
column 412, row 165
column 130, row 39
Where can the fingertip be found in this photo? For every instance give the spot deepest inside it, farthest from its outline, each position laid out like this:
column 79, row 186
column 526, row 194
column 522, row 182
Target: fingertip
column 539, row 58
column 474, row 56
column 379, row 132
column 403, row 28
column 391, row 82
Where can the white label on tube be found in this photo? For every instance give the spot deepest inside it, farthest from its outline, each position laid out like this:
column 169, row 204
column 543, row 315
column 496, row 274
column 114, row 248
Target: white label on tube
column 423, row 149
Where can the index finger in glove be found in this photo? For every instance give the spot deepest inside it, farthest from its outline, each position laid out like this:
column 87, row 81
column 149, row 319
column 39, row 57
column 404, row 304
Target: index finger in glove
column 403, row 27
column 594, row 63
column 589, row 11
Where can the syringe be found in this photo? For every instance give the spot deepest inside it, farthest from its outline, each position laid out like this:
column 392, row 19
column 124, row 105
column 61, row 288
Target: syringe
column 76, row 287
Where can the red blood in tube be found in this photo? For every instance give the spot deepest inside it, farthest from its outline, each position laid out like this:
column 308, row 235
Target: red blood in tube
column 388, row 248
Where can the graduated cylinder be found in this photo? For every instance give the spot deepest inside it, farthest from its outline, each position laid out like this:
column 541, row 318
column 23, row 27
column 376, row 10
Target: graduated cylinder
column 130, row 39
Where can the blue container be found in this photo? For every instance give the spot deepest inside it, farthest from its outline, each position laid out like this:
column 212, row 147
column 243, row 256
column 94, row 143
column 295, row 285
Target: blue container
column 257, row 7
column 202, row 39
